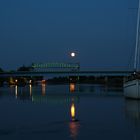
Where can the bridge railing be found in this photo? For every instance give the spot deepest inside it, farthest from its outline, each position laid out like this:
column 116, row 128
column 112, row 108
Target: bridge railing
column 55, row 66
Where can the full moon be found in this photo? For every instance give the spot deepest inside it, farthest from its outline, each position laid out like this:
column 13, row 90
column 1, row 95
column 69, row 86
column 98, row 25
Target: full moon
column 73, row 54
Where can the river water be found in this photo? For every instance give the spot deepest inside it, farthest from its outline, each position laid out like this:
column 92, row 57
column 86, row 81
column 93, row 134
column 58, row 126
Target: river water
column 67, row 112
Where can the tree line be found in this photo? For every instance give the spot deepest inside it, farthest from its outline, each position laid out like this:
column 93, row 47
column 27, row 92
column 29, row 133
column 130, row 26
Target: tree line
column 21, row 68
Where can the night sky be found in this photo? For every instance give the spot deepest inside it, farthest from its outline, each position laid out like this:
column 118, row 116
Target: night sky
column 101, row 32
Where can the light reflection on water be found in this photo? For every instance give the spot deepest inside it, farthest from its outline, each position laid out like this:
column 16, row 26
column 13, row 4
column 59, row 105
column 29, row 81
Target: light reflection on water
column 16, row 91
column 43, row 89
column 30, row 89
column 71, row 111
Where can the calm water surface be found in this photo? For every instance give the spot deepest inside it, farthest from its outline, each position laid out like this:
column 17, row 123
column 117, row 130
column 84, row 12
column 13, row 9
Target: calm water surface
column 67, row 112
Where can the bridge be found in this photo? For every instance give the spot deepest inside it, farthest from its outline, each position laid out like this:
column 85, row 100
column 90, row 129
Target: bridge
column 65, row 73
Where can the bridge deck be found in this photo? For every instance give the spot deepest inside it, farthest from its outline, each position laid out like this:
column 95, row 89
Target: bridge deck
column 80, row 73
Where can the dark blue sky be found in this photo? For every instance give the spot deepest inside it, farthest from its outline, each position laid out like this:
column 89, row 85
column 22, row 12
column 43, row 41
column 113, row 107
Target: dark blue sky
column 102, row 32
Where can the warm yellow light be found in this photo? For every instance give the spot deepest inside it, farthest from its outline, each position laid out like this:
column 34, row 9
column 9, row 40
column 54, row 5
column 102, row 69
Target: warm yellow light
column 43, row 81
column 16, row 80
column 72, row 87
column 43, row 89
column 73, row 111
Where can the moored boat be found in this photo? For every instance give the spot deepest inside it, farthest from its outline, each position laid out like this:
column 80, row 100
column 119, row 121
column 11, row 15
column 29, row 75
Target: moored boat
column 132, row 84
column 132, row 89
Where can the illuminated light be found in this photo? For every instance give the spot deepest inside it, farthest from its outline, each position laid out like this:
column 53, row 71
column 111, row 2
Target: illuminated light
column 30, row 81
column 30, row 86
column 72, row 87
column 16, row 91
column 43, row 81
column 73, row 54
column 73, row 111
column 16, row 82
column 74, row 129
column 74, row 124
column 43, row 89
